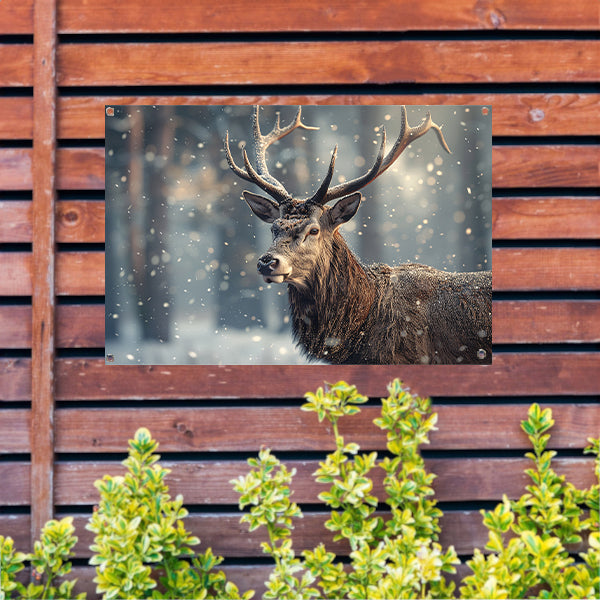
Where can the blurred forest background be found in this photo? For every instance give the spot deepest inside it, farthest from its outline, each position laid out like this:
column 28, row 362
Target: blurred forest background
column 182, row 245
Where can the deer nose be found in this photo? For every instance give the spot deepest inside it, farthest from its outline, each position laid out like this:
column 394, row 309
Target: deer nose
column 267, row 263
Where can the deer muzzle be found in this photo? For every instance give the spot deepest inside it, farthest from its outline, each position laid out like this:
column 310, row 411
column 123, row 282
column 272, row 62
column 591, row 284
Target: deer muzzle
column 274, row 269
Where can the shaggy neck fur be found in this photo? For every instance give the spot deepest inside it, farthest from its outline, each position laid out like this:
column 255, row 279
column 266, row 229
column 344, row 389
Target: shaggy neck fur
column 328, row 313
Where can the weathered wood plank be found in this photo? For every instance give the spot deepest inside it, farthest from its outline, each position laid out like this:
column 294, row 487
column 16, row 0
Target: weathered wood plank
column 205, row 483
column 77, row 273
column 17, row 118
column 512, row 218
column 514, row 269
column 515, row 322
column 43, row 277
column 16, row 484
column 15, row 169
column 491, row 427
column 279, row 15
column 513, row 114
column 229, row 538
column 553, row 166
column 76, row 221
column 273, row 63
column 527, row 374
column 528, row 269
column 545, row 218
column 512, row 166
column 15, row 221
column 541, row 321
column 80, row 221
column 15, row 428
column 16, row 16
column 16, row 65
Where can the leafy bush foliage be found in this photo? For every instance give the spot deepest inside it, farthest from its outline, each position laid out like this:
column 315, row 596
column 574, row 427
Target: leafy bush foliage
column 142, row 549
column 527, row 553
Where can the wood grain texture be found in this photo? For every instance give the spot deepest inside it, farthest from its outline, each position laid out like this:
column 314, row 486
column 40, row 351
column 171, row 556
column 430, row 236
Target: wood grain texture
column 223, row 532
column 528, row 269
column 514, row 269
column 15, row 221
column 514, row 322
column 556, row 373
column 512, row 166
column 290, row 429
column 276, row 63
column 546, row 321
column 278, row 15
column 16, row 65
column 527, row 218
column 15, row 432
column 530, row 374
column 17, row 118
column 15, row 169
column 553, row 166
column 513, row 114
column 43, row 298
column 208, row 482
column 538, row 218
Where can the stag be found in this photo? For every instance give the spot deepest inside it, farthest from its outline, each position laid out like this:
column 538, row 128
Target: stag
column 345, row 312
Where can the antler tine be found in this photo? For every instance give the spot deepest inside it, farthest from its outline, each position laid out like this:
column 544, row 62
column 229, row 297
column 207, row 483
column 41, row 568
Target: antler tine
column 261, row 176
column 319, row 196
column 406, row 136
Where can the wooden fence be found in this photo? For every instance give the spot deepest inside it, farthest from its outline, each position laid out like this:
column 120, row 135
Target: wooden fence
column 65, row 416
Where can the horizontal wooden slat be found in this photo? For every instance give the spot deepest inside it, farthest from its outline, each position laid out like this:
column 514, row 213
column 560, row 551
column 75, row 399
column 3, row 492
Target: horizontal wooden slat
column 526, row 269
column 17, row 118
column 514, row 322
column 545, row 218
column 290, row 429
column 15, row 221
column 338, row 15
column 77, row 273
column 16, row 65
column 513, row 114
column 512, row 218
column 514, row 269
column 15, row 169
column 76, row 221
column 274, row 63
column 208, row 482
column 522, row 374
column 15, row 431
column 280, row 16
column 512, row 166
column 458, row 480
column 533, row 322
column 528, row 374
column 553, row 166
column 546, row 321
column 229, row 538
column 77, row 326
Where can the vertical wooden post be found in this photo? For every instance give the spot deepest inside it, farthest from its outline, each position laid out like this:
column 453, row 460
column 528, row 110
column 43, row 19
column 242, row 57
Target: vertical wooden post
column 43, row 300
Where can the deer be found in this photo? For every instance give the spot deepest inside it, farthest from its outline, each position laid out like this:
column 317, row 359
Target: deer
column 341, row 310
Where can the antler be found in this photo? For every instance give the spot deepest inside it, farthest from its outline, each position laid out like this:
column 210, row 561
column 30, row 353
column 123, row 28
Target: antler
column 407, row 135
column 261, row 175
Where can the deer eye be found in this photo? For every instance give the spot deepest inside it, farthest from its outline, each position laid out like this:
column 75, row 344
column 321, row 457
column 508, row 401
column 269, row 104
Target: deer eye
column 314, row 231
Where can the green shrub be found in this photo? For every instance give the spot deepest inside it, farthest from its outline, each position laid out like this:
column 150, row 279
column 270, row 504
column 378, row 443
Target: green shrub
column 141, row 548
column 49, row 560
column 400, row 557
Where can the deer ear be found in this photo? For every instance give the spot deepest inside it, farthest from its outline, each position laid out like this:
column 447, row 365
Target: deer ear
column 262, row 207
column 345, row 208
